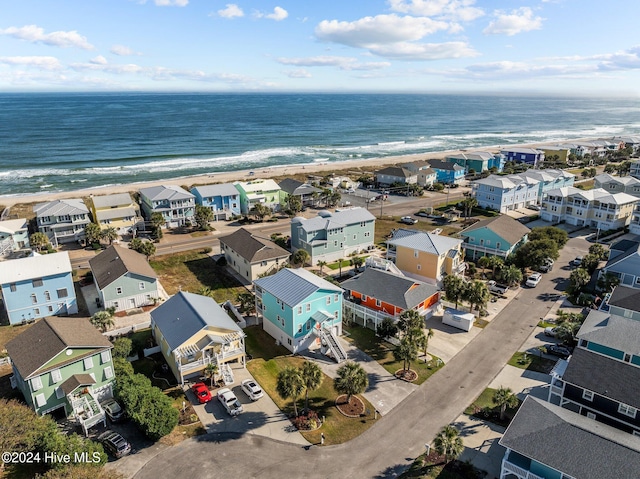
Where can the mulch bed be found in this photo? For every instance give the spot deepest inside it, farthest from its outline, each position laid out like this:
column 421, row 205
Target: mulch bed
column 408, row 375
column 353, row 408
column 455, row 468
column 188, row 416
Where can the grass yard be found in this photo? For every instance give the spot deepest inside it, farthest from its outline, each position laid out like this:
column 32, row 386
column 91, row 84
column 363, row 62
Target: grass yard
column 260, row 345
column 366, row 340
column 337, row 428
column 192, row 271
column 485, row 408
column 532, row 362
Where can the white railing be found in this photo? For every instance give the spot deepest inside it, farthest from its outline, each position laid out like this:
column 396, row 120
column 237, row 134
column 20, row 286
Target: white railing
column 227, row 354
column 227, row 374
column 518, row 471
column 338, row 352
column 366, row 313
column 556, row 390
column 197, row 363
column 6, row 246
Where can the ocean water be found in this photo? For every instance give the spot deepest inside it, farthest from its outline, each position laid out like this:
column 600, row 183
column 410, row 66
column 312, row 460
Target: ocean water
column 61, row 142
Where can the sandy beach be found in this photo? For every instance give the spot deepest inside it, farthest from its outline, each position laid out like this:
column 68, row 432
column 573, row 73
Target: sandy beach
column 244, row 175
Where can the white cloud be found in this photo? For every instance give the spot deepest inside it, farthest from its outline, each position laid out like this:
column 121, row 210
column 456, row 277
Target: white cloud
column 518, row 21
column 424, row 51
column 299, row 73
column 99, row 60
column 462, row 10
column 278, row 14
column 232, row 11
column 35, row 34
column 171, row 3
column 626, row 60
column 39, row 62
column 123, row 51
column 344, row 63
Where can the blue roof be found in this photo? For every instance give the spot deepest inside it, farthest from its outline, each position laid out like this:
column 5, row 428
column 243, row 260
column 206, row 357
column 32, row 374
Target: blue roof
column 293, row 286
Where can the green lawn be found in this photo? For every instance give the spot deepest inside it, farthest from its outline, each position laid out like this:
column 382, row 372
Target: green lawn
column 336, row 265
column 485, row 408
column 337, row 428
column 259, row 344
column 532, row 362
column 366, row 340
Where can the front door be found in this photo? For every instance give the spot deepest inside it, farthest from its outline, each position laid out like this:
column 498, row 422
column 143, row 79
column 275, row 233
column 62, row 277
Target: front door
column 132, row 303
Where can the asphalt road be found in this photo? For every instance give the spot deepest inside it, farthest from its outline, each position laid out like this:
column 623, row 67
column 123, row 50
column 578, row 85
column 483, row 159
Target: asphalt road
column 390, row 446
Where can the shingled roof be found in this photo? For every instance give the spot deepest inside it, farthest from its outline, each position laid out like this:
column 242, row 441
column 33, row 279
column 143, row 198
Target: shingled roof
column 115, row 262
column 504, row 226
column 626, row 298
column 253, row 248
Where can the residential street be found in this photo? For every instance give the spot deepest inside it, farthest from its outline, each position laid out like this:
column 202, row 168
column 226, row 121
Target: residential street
column 390, row 446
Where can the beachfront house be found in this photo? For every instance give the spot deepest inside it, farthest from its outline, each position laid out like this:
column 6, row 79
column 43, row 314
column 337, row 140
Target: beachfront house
column 595, row 208
column 14, row 236
column 250, row 255
column 118, row 211
column 544, row 441
column 123, row 278
column 37, row 286
column 304, row 191
column 375, row 294
column 175, row 204
column 477, row 161
column 425, row 256
column 505, row 193
column 223, row 200
column 498, row 236
column 530, row 156
column 618, row 184
column 446, row 172
column 265, row 192
column 63, row 221
column 192, row 332
column 395, row 175
column 426, row 176
column 300, row 310
column 562, row 153
column 332, row 236
column 63, row 367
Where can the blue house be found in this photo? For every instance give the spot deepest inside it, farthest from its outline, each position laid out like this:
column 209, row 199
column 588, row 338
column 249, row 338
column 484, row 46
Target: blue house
column 37, row 286
column 478, row 161
column 505, row 193
column 447, row 172
column 223, row 200
column 545, row 441
column 301, row 311
column 530, row 156
column 498, row 236
column 549, row 179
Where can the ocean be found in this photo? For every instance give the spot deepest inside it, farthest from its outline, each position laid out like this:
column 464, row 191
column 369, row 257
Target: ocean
column 66, row 141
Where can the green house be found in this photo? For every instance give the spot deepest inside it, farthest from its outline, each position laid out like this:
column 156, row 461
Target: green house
column 63, row 366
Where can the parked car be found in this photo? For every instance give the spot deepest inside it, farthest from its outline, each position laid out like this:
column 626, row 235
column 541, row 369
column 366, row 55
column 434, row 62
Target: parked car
column 558, row 350
column 533, row 280
column 534, row 207
column 546, row 266
column 497, row 288
column 577, row 261
column 229, row 401
column 551, row 331
column 424, row 214
column 115, row 444
column 408, row 220
column 202, row 392
column 113, row 410
column 251, row 389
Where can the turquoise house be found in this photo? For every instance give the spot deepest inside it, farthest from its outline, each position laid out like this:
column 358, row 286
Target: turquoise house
column 301, row 311
column 498, row 236
column 14, row 236
column 223, row 200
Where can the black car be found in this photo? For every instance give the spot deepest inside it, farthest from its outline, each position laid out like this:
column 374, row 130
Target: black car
column 115, row 444
column 558, row 350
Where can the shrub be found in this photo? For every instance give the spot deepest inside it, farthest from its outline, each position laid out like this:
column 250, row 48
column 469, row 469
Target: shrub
column 222, row 261
column 207, row 250
column 307, row 421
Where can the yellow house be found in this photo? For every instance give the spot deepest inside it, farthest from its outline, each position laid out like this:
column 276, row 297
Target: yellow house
column 425, row 256
column 193, row 331
column 118, row 211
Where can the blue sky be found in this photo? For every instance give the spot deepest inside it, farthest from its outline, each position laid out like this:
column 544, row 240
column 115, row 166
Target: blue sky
column 547, row 46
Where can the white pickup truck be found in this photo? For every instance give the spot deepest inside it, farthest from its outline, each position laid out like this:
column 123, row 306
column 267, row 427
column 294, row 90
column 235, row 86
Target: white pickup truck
column 497, row 288
column 229, row 401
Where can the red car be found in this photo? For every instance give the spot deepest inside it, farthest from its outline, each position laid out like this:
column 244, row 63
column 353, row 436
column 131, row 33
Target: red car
column 202, row 392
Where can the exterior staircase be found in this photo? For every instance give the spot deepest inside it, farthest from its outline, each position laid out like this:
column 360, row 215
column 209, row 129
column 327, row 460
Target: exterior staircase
column 337, row 351
column 227, row 374
column 383, row 264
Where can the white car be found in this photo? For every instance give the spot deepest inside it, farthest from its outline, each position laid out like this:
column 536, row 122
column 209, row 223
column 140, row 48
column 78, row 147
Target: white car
column 533, row 280
column 408, row 220
column 229, row 401
column 251, row 389
column 551, row 331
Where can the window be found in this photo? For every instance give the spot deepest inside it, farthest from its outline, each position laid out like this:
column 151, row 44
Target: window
column 364, row 297
column 56, row 376
column 47, row 296
column 418, row 267
column 12, row 287
column 36, row 383
column 307, row 307
column 108, row 372
column 118, row 290
column 36, row 311
column 416, row 253
column 141, row 285
column 40, row 400
column 36, row 283
column 59, row 393
column 62, row 293
column 328, row 299
column 34, row 298
column 88, row 363
column 355, row 237
column 300, row 328
column 299, row 309
column 627, row 410
column 308, row 324
column 588, row 395
column 116, row 305
column 498, row 245
column 282, row 306
column 378, row 303
column 50, row 308
column 336, row 297
column 105, row 357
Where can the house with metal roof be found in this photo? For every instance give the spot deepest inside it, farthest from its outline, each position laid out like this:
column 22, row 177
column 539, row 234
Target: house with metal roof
column 175, row 204
column 223, row 200
column 395, row 174
column 531, row 156
column 426, row 256
column 250, row 255
column 505, row 193
column 618, row 184
column 304, row 191
column 63, row 221
column 124, row 279
column 478, row 161
column 545, row 441
column 548, row 179
column 63, row 365
column 375, row 294
column 194, row 331
column 37, row 286
column 118, row 211
column 497, row 236
column 265, row 192
column 14, row 236
column 332, row 236
column 301, row 311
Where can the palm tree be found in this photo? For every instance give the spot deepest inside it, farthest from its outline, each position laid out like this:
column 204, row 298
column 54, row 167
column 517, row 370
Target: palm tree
column 448, row 443
column 92, row 233
column 427, row 337
column 300, row 257
column 504, row 398
column 483, row 262
column 455, row 288
column 356, row 262
column 247, row 302
column 39, row 241
column 469, row 203
column 322, row 264
column 410, row 321
column 109, row 234
column 312, row 377
column 495, row 262
column 340, row 265
column 103, row 320
column 478, row 295
column 148, row 249
column 511, row 275
column 290, row 385
column 352, row 379
column 406, row 352
column 211, row 371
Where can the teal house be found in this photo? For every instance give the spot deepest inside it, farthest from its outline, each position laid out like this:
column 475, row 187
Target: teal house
column 63, row 366
column 498, row 236
column 332, row 236
column 301, row 311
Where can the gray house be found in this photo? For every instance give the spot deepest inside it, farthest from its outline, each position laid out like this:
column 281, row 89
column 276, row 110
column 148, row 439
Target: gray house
column 63, row 221
column 124, row 279
column 625, row 266
column 175, row 204
column 396, row 174
column 624, row 301
column 291, row 187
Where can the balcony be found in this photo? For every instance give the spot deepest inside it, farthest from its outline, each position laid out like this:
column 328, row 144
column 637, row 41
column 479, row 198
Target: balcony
column 197, row 364
column 519, row 471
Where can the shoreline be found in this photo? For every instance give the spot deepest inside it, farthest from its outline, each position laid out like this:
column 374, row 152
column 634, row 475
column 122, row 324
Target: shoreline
column 259, row 173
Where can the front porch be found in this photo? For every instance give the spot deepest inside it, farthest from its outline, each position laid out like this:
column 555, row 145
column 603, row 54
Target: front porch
column 212, row 349
column 85, row 408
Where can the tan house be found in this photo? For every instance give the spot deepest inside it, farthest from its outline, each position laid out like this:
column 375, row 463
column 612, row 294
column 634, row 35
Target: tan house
column 193, row 331
column 118, row 211
column 425, row 256
column 250, row 255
